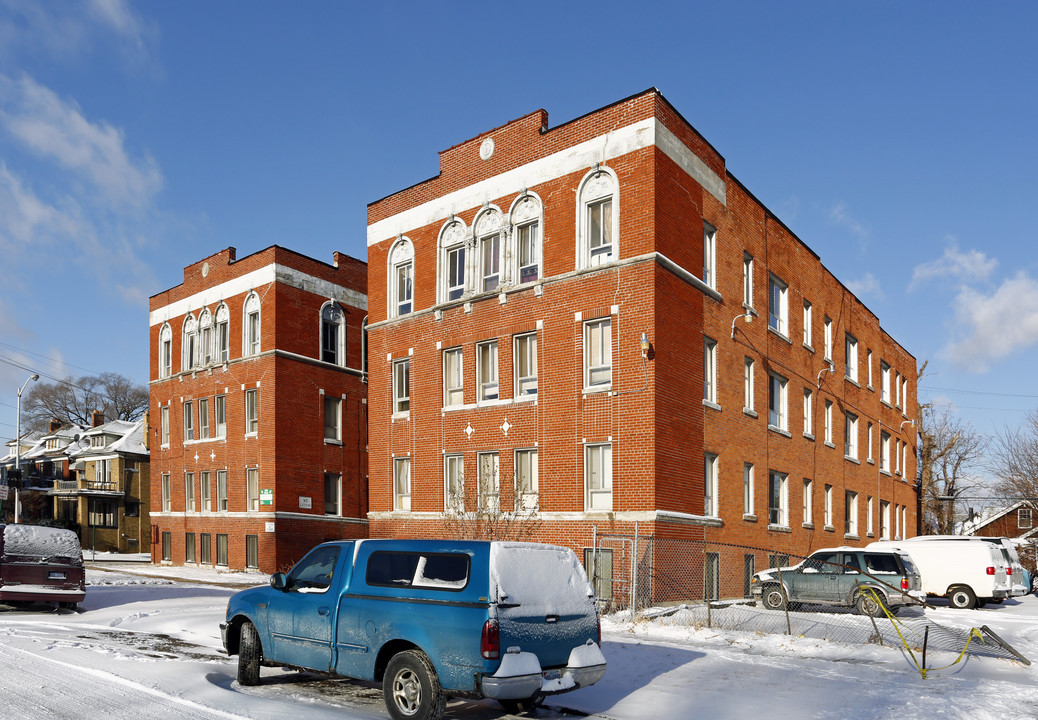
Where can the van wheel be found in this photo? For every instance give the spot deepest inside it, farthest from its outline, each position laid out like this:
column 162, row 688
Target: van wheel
column 867, row 604
column 962, row 598
column 773, row 597
column 514, row 707
column 250, row 652
column 411, row 688
column 68, row 605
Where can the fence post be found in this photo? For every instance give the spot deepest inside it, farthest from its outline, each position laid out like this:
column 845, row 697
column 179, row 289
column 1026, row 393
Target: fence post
column 594, row 562
column 785, row 599
column 634, row 573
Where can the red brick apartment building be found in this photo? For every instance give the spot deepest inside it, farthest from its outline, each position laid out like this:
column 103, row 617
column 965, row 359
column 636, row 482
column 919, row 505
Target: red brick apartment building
column 599, row 322
column 258, row 408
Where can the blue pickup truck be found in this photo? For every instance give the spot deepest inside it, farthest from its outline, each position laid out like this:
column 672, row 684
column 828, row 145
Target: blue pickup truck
column 429, row 619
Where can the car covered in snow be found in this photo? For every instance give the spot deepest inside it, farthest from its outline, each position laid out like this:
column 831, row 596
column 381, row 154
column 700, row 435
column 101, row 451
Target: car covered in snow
column 41, row 564
column 867, row 580
column 429, row 619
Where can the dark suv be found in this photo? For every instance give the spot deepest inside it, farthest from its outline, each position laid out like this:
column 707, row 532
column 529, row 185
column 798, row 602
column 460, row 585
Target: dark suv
column 838, row 576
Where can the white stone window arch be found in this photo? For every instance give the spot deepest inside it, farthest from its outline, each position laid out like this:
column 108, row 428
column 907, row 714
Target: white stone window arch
column 598, row 225
column 205, row 337
column 491, row 233
column 455, row 256
column 189, row 346
column 527, row 220
column 251, row 325
column 333, row 333
column 165, row 351
column 400, row 280
column 222, row 337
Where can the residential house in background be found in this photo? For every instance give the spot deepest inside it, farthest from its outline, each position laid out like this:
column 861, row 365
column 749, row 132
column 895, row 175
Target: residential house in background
column 44, row 466
column 1018, row 522
column 258, row 409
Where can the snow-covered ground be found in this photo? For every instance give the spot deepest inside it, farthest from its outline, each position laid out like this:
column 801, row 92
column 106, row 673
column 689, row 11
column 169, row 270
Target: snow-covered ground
column 147, row 644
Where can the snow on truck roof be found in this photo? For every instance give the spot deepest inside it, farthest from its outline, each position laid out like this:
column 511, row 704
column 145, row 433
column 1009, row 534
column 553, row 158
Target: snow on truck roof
column 41, row 542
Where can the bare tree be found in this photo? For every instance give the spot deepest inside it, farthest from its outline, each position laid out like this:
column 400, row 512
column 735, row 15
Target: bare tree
column 1014, row 460
column 72, row 400
column 481, row 511
column 949, row 449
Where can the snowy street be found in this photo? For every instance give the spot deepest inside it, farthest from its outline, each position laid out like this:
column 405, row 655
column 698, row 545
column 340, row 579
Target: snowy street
column 147, row 646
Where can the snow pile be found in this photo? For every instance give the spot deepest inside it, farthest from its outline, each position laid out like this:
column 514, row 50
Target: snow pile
column 542, row 578
column 33, row 541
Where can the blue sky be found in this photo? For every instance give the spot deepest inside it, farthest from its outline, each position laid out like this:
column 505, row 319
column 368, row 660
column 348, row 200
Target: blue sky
column 896, row 139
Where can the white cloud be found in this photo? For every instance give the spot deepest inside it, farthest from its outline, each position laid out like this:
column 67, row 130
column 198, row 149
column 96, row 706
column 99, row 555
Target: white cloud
column 839, row 215
column 56, row 129
column 994, row 326
column 971, row 265
column 866, row 286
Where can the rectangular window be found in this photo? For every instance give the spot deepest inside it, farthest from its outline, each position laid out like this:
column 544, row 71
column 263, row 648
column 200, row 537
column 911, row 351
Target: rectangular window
column 203, row 418
column 747, row 280
column 710, row 485
column 486, row 370
column 489, row 481
column 404, row 288
column 598, row 476
column 205, row 549
column 455, row 273
column 850, row 513
column 777, row 417
column 897, row 389
column 252, row 489
column 1023, row 518
column 252, row 551
column 402, row 386
column 869, row 519
column 809, row 492
column 189, row 421
column 164, row 424
column 252, row 332
column 748, row 371
column 526, row 483
column 712, row 576
column 454, row 482
column 709, row 255
column 884, row 451
column 167, row 546
column 904, row 392
column 828, row 422
column 884, row 520
column 600, row 231
column 332, row 494
column 850, row 437
column 491, row 247
column 884, row 382
column 868, row 449
column 453, row 378
column 710, row 370
column 189, row 492
column 189, row 547
column 221, row 490
column 221, row 550
column 851, row 353
column 223, row 339
column 102, row 514
column 525, row 360
column 167, row 502
column 204, row 487
column 402, row 484
column 221, row 416
column 251, row 412
column 778, row 308
column 809, row 412
column 166, row 368
column 778, row 499
column 529, row 243
column 747, row 489
column 598, row 354
column 868, row 361
column 808, row 339
column 828, row 499
column 332, row 419
column 827, row 338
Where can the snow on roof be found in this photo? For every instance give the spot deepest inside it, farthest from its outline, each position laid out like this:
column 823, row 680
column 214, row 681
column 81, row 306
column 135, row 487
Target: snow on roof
column 41, row 542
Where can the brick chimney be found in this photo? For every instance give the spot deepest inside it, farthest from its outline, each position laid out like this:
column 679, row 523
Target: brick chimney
column 54, row 425
column 97, row 418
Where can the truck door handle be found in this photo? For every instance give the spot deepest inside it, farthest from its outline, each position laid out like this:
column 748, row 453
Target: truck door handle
column 322, row 610
column 551, row 618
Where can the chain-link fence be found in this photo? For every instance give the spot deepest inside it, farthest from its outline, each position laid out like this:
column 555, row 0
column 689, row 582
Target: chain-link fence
column 703, row 584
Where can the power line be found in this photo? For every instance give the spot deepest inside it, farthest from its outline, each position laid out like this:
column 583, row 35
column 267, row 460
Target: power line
column 49, row 360
column 977, row 392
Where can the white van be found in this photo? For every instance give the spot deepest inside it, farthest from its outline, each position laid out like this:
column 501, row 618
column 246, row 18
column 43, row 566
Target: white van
column 968, row 574
column 1015, row 568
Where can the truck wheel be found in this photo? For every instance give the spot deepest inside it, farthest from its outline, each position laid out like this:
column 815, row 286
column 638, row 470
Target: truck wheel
column 250, row 652
column 773, row 598
column 866, row 604
column 962, row 597
column 411, row 688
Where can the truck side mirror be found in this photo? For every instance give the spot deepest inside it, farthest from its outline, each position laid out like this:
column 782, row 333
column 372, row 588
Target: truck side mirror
column 278, row 581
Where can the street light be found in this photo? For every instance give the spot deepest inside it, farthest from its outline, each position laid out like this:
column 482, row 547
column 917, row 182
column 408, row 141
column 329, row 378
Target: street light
column 18, row 446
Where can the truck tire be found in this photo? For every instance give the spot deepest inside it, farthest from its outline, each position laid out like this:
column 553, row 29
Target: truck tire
column 962, row 597
column 866, row 604
column 250, row 653
column 412, row 689
column 773, row 598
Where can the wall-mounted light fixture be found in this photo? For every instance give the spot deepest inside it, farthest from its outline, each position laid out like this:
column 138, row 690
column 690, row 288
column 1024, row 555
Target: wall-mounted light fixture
column 906, row 422
column 829, row 368
column 645, row 345
column 749, row 319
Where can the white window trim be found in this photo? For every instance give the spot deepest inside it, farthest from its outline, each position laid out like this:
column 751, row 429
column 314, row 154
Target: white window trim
column 808, row 330
column 851, row 350
column 749, row 380
column 251, row 345
column 525, row 385
column 596, row 186
column 783, row 507
column 710, row 485
column 850, row 450
column 454, row 501
column 808, row 501
column 530, row 499
column 401, row 253
column 710, row 370
column 447, row 387
column 747, row 490
column 606, row 491
column 325, row 399
column 402, row 501
column 490, row 225
column 526, row 210
column 340, row 334
column 778, row 318
column 586, row 329
column 782, row 409
column 398, row 397
column 809, row 411
column 454, row 236
column 747, row 281
column 709, row 255
column 489, row 391
column 165, row 351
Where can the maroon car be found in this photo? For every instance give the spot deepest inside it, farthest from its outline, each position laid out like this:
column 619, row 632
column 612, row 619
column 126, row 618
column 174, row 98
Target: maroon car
column 41, row 564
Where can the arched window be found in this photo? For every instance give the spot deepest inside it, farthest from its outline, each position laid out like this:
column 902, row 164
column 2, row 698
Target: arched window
column 251, row 325
column 401, row 278
column 165, row 351
column 333, row 334
column 527, row 217
column 490, row 240
column 189, row 348
column 205, row 337
column 223, row 334
column 597, row 219
column 454, row 240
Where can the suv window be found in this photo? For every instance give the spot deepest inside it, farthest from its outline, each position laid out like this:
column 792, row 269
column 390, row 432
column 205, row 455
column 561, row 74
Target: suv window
column 314, row 572
column 823, row 563
column 437, row 571
column 881, row 564
column 851, row 566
